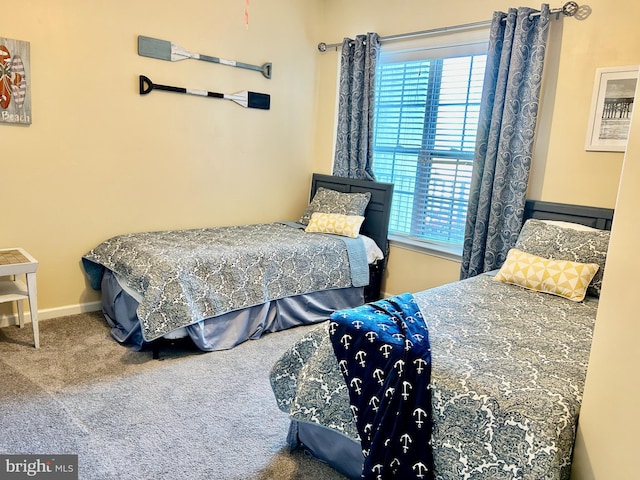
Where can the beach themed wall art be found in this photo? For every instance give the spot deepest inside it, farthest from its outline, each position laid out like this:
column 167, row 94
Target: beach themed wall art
column 612, row 104
column 15, row 82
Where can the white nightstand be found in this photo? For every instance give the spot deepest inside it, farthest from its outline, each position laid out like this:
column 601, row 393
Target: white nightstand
column 13, row 262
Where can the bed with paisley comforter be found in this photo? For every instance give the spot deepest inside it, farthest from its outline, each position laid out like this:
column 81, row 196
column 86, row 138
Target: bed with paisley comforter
column 508, row 360
column 223, row 285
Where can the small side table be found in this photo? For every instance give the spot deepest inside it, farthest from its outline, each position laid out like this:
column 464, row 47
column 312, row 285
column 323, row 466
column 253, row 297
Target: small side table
column 16, row 261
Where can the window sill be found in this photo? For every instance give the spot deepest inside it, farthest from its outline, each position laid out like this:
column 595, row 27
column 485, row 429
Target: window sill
column 447, row 252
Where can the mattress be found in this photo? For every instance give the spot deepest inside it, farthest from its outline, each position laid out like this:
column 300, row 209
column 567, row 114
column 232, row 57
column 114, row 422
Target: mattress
column 508, row 371
column 121, row 302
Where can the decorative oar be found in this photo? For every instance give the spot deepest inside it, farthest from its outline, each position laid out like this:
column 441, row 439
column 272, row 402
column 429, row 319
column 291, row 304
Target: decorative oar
column 165, row 50
column 246, row 99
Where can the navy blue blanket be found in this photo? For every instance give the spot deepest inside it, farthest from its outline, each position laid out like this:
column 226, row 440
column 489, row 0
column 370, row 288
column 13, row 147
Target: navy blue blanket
column 384, row 354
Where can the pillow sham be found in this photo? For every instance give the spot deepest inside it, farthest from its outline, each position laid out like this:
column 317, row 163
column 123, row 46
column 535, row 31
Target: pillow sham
column 558, row 277
column 332, row 201
column 335, row 223
column 555, row 242
column 575, row 226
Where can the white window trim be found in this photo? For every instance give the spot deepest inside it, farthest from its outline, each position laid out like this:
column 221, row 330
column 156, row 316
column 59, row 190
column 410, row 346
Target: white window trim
column 448, row 252
column 415, row 47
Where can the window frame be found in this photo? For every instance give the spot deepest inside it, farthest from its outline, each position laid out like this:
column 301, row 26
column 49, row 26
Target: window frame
column 445, row 45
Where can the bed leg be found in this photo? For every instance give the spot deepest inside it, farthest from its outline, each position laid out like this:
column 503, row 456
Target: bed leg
column 372, row 292
column 155, row 349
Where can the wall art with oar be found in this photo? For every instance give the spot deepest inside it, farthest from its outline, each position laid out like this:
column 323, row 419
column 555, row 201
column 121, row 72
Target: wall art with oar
column 15, row 82
column 245, row 99
column 166, row 50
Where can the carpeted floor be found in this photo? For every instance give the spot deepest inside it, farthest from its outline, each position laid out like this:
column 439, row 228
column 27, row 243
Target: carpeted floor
column 190, row 415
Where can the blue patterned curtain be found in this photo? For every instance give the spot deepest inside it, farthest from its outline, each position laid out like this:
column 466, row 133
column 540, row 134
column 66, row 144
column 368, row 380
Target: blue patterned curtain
column 354, row 153
column 508, row 115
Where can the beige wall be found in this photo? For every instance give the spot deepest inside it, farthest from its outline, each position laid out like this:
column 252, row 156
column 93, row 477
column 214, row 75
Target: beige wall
column 607, row 443
column 562, row 170
column 100, row 160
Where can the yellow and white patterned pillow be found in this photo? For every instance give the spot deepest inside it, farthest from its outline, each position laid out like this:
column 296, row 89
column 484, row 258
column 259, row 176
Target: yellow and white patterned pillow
column 335, row 223
column 558, row 277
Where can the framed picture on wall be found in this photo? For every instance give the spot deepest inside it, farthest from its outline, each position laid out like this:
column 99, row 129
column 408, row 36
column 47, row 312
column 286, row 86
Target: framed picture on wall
column 15, row 82
column 612, row 104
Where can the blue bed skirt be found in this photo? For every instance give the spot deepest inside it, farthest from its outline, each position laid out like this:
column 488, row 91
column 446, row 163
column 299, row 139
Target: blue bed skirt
column 329, row 446
column 226, row 331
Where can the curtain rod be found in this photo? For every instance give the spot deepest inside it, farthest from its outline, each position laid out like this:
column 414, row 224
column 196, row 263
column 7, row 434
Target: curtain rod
column 569, row 9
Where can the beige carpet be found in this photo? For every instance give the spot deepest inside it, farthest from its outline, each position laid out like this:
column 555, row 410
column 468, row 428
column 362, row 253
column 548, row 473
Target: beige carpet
column 190, row 415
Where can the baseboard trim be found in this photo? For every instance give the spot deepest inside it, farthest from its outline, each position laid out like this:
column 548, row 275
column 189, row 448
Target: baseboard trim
column 48, row 313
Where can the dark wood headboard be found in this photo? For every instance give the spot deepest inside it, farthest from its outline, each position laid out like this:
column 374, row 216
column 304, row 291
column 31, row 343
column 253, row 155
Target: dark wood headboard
column 595, row 217
column 376, row 223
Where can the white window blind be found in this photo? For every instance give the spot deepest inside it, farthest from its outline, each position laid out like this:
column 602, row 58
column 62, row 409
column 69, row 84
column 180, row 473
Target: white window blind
column 426, row 117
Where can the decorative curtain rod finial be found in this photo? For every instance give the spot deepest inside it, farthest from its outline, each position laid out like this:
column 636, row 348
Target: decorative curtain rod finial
column 322, row 47
column 570, row 9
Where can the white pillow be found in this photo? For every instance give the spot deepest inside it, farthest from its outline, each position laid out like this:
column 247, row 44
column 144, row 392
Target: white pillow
column 572, row 225
column 373, row 250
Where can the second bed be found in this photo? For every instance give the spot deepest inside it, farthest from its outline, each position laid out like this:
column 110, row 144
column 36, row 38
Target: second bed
column 221, row 286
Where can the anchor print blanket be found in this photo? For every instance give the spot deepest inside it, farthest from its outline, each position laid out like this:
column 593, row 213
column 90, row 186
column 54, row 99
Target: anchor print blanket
column 384, row 354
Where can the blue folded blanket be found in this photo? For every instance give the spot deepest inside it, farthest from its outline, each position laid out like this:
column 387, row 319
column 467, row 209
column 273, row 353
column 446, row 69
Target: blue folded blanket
column 384, row 354
column 356, row 252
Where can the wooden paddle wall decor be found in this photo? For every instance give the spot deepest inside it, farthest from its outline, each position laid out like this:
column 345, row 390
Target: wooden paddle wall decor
column 246, row 99
column 165, row 50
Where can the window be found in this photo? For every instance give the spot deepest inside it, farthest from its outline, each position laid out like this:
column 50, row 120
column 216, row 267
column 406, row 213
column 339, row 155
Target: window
column 426, row 117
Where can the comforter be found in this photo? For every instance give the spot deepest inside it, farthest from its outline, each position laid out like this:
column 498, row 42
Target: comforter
column 185, row 276
column 508, row 371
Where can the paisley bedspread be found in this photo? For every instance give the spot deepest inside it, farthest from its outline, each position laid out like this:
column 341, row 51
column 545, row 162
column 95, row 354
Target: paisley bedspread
column 185, row 276
column 508, row 371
